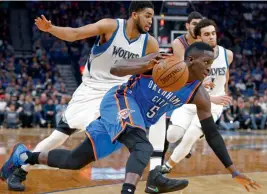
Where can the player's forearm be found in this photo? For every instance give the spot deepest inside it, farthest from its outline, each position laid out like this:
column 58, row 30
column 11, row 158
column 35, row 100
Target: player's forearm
column 232, row 169
column 135, row 66
column 215, row 141
column 129, row 70
column 64, row 33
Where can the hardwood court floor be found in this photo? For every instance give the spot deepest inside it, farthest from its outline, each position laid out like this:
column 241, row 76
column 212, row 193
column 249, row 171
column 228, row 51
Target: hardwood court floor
column 211, row 184
column 203, row 169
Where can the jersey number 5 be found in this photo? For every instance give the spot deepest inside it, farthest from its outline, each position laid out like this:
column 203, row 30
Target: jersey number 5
column 151, row 112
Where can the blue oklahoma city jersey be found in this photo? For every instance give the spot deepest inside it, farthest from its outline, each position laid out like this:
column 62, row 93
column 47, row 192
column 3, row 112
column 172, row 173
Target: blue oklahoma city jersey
column 138, row 103
column 153, row 101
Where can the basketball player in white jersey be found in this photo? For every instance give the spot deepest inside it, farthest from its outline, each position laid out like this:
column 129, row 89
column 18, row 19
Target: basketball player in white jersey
column 184, row 120
column 159, row 130
column 117, row 39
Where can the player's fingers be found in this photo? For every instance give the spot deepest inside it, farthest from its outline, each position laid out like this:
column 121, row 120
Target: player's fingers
column 257, row 185
column 154, row 61
column 253, row 186
column 166, row 54
column 43, row 17
column 246, row 188
column 227, row 99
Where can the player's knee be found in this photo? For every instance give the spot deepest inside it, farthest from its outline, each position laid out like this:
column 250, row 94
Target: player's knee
column 57, row 137
column 175, row 133
column 73, row 163
column 143, row 152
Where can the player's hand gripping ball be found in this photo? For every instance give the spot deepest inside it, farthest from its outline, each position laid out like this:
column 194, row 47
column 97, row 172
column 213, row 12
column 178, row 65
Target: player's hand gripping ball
column 169, row 74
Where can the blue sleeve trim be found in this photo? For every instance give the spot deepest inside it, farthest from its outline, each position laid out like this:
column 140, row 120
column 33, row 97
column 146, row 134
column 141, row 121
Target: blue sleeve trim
column 226, row 59
column 96, row 50
column 144, row 46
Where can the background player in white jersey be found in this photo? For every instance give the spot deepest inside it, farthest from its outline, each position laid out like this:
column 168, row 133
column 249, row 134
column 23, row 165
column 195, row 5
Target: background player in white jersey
column 184, row 120
column 158, row 131
column 117, row 39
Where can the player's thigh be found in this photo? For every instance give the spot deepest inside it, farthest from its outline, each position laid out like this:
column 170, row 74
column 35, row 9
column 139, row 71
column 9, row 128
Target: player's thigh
column 216, row 111
column 192, row 134
column 183, row 116
column 119, row 111
column 100, row 139
column 83, row 108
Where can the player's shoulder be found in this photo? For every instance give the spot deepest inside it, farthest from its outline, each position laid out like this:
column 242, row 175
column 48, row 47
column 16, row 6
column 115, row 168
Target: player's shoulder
column 177, row 41
column 228, row 51
column 177, row 45
column 109, row 23
column 229, row 54
column 201, row 98
column 152, row 45
column 152, row 40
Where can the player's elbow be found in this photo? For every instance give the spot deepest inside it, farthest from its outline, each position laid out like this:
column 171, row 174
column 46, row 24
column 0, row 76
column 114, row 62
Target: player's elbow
column 116, row 71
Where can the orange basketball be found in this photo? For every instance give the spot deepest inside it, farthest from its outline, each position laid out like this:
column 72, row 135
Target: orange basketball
column 170, row 75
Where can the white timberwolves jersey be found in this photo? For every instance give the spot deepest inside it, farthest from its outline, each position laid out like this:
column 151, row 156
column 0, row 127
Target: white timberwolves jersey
column 103, row 57
column 218, row 72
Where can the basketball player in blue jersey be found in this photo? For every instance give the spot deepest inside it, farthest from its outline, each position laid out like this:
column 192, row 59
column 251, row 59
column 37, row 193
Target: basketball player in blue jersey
column 117, row 39
column 156, row 134
column 128, row 110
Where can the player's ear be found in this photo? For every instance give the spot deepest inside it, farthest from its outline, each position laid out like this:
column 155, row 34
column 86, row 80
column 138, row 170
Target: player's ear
column 187, row 25
column 134, row 15
column 190, row 60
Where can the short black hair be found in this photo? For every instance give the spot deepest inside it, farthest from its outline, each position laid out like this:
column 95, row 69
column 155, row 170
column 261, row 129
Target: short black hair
column 136, row 6
column 196, row 47
column 194, row 15
column 202, row 24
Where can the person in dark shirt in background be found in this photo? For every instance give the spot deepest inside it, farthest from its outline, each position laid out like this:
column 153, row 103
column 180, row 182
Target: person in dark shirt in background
column 257, row 116
column 49, row 113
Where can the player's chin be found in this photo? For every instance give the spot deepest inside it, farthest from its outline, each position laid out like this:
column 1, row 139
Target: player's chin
column 146, row 29
column 202, row 77
column 213, row 44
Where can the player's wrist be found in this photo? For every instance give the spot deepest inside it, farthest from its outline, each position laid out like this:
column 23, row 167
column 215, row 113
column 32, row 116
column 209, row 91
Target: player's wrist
column 235, row 174
column 232, row 169
column 50, row 29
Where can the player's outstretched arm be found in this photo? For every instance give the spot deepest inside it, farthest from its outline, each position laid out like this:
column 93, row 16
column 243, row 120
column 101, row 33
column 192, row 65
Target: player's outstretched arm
column 215, row 140
column 72, row 34
column 141, row 65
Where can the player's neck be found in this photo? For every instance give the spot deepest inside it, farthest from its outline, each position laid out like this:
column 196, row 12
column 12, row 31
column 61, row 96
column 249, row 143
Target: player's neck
column 191, row 77
column 216, row 50
column 130, row 30
column 190, row 40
